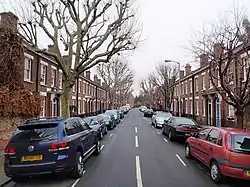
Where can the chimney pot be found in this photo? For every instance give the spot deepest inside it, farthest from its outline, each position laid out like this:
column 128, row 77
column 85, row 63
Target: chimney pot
column 188, row 69
column 88, row 74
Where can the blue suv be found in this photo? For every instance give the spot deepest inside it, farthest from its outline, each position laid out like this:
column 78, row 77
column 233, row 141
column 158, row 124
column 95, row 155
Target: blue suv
column 50, row 145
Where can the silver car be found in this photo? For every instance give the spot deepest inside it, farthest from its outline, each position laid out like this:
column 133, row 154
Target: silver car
column 159, row 117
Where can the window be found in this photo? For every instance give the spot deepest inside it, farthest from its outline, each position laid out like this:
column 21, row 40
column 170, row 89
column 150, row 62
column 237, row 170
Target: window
column 230, row 75
column 186, row 87
column 213, row 136
column 220, row 140
column 53, row 77
column 210, row 83
column 246, row 67
column 74, row 88
column 79, row 86
column 182, row 89
column 196, row 84
column 73, row 126
column 191, row 106
column 218, row 77
column 190, row 86
column 231, row 110
column 197, row 106
column 74, row 102
column 241, row 143
column 27, row 69
column 43, row 74
column 84, row 124
column 60, row 80
column 80, row 106
column 203, row 82
column 83, row 106
column 83, row 87
column 186, row 107
column 43, row 107
column 203, row 133
column 203, row 107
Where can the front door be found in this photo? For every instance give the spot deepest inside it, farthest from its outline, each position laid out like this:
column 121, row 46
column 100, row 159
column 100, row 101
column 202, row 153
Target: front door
column 218, row 113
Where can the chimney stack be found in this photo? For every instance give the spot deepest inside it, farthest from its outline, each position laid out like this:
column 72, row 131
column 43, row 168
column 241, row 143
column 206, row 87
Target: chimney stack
column 181, row 74
column 203, row 60
column 218, row 50
column 10, row 20
column 188, row 69
column 88, row 75
column 103, row 85
column 99, row 81
column 95, row 78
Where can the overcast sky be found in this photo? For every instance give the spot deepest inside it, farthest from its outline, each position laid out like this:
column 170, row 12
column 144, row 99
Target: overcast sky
column 168, row 27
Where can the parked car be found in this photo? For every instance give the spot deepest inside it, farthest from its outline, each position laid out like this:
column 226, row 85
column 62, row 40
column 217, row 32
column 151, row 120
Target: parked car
column 98, row 124
column 50, row 145
column 109, row 120
column 180, row 128
column 148, row 113
column 116, row 115
column 142, row 108
column 225, row 151
column 159, row 117
column 121, row 113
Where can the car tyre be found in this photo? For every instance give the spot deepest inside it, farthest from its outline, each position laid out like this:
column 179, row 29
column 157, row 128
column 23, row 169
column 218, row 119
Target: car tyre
column 188, row 153
column 19, row 179
column 170, row 136
column 79, row 168
column 98, row 148
column 106, row 130
column 162, row 131
column 215, row 173
column 101, row 135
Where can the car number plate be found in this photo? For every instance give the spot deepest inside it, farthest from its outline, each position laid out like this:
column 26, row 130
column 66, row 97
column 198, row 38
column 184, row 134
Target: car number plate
column 32, row 158
column 248, row 173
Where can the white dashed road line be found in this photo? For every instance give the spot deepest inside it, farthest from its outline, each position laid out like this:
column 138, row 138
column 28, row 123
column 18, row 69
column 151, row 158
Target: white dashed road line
column 111, row 135
column 136, row 141
column 102, row 147
column 181, row 160
column 135, row 129
column 165, row 140
column 138, row 172
column 77, row 180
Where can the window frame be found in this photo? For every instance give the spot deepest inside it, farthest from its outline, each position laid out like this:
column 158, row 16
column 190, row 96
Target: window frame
column 28, row 62
column 43, row 75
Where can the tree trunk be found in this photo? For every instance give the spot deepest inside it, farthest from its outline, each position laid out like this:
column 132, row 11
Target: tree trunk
column 240, row 118
column 65, row 98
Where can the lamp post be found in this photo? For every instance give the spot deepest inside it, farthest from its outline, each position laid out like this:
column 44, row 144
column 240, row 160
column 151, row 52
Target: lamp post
column 179, row 90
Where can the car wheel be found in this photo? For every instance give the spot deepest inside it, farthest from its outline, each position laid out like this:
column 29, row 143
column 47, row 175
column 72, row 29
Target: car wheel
column 215, row 173
column 19, row 179
column 170, row 136
column 106, row 130
column 78, row 169
column 98, row 147
column 101, row 135
column 162, row 131
column 188, row 153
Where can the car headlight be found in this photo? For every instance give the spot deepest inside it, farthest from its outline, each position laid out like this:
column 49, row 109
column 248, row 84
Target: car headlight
column 160, row 122
column 107, row 122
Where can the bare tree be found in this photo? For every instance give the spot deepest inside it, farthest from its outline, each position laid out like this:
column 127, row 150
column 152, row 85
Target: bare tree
column 147, row 91
column 163, row 80
column 91, row 31
column 118, row 78
column 224, row 45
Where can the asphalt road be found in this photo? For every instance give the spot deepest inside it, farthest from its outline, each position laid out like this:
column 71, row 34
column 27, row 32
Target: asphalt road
column 137, row 155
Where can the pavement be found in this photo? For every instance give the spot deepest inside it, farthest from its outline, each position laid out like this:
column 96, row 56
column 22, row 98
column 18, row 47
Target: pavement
column 137, row 155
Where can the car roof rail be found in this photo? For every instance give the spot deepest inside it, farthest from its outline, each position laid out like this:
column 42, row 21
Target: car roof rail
column 56, row 118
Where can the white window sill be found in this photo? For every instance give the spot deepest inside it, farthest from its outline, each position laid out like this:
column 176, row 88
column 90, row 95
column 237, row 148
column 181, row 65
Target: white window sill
column 28, row 81
column 43, row 84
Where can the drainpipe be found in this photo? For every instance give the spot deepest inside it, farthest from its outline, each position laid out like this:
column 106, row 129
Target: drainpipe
column 193, row 95
column 96, row 98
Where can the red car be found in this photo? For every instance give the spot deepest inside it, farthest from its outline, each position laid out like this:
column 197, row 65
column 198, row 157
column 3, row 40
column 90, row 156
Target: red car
column 226, row 151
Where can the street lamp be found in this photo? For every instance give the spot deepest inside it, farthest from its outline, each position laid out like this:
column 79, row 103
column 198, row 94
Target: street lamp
column 179, row 90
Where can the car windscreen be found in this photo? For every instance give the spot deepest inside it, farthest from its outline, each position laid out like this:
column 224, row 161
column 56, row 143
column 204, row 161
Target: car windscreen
column 36, row 132
column 241, row 143
column 105, row 117
column 163, row 114
column 184, row 121
column 91, row 120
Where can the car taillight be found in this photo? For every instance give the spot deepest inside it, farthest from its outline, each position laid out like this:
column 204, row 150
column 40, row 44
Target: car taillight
column 228, row 142
column 9, row 151
column 58, row 146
